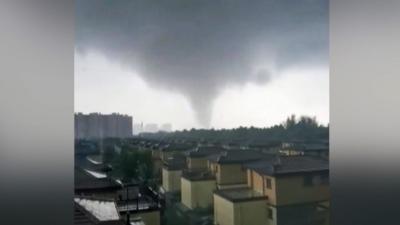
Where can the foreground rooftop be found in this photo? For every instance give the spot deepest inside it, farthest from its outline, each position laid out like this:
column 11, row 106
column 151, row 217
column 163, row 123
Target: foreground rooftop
column 240, row 194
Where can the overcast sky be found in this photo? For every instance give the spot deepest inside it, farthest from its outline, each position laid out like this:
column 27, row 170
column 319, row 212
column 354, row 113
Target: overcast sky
column 207, row 63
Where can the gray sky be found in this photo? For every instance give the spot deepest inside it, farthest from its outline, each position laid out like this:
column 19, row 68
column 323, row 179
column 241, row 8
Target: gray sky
column 203, row 63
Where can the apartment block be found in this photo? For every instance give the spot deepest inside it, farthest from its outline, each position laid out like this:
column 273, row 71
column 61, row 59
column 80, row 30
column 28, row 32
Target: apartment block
column 96, row 125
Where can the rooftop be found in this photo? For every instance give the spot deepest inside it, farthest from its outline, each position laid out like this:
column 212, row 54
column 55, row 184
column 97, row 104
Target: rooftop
column 197, row 175
column 238, row 156
column 175, row 162
column 240, row 194
column 306, row 146
column 177, row 147
column 205, row 151
column 91, row 180
column 289, row 165
column 101, row 209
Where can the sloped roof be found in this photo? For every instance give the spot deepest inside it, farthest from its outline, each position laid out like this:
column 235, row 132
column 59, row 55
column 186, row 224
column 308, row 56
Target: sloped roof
column 100, row 209
column 204, row 151
column 175, row 162
column 177, row 147
column 238, row 156
column 289, row 165
column 86, row 179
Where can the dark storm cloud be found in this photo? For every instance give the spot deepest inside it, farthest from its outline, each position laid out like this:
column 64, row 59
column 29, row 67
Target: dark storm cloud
column 198, row 47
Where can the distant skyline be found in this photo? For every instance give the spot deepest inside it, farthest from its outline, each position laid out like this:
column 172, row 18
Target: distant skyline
column 206, row 64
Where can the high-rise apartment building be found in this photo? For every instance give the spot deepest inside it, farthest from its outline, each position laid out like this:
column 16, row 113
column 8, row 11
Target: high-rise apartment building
column 96, row 125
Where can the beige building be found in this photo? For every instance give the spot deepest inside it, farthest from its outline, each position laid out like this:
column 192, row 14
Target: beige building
column 212, row 168
column 171, row 173
column 198, row 183
column 240, row 206
column 197, row 189
column 228, row 167
column 167, row 152
column 197, row 159
column 296, row 191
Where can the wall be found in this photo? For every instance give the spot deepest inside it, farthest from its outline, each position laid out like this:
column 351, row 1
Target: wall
column 197, row 194
column 197, row 163
column 157, row 167
column 223, row 211
column 230, row 174
column 251, row 212
column 281, row 192
column 186, row 193
column 150, row 217
column 212, row 167
column 240, row 213
column 171, row 180
column 285, row 194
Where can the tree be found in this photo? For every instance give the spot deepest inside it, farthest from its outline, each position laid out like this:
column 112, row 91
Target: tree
column 128, row 164
column 108, row 154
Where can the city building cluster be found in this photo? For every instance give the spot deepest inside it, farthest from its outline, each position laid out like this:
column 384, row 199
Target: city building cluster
column 96, row 125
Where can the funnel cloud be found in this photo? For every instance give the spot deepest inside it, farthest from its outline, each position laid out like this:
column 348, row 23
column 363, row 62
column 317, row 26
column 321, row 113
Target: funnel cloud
column 198, row 48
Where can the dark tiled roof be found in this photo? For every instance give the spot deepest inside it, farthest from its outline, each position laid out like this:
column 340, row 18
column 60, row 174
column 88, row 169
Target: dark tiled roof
column 308, row 146
column 85, row 181
column 289, row 165
column 85, row 162
column 238, row 156
column 177, row 147
column 176, row 162
column 205, row 151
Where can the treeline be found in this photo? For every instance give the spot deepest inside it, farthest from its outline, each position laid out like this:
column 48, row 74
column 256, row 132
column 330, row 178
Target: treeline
column 129, row 163
column 302, row 128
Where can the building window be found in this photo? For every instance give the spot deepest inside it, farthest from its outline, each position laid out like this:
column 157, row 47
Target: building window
column 270, row 214
column 269, row 183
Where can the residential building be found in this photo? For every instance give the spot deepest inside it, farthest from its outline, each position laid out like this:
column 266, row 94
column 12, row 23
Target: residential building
column 197, row 182
column 172, row 172
column 197, row 159
column 197, row 189
column 213, row 168
column 240, row 206
column 96, row 125
column 228, row 167
column 166, row 151
column 295, row 191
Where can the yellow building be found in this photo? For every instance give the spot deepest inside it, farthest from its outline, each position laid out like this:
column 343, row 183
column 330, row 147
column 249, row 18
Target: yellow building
column 228, row 167
column 171, row 173
column 197, row 158
column 167, row 152
column 296, row 190
column 240, row 206
column 197, row 189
